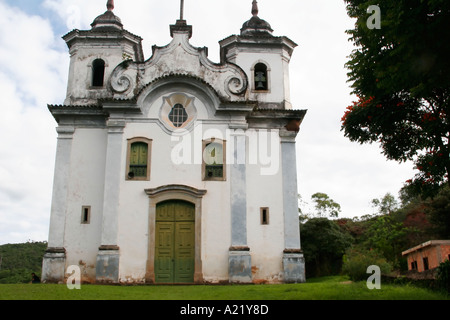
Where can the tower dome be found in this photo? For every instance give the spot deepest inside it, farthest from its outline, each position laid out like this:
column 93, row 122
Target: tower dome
column 108, row 20
column 256, row 25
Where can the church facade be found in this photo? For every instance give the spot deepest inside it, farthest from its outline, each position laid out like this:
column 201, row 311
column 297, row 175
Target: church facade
column 176, row 169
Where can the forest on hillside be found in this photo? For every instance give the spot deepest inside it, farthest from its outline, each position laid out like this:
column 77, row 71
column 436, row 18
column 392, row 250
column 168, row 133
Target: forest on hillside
column 18, row 261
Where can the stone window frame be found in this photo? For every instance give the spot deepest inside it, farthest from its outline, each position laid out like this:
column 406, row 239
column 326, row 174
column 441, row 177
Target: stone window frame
column 187, row 101
column 224, row 150
column 131, row 141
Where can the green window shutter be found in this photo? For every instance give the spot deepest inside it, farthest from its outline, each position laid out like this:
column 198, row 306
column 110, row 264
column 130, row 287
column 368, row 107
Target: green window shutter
column 139, row 159
column 213, row 157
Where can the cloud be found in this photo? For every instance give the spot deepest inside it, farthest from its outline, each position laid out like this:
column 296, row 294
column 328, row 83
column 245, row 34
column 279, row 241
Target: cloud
column 32, row 69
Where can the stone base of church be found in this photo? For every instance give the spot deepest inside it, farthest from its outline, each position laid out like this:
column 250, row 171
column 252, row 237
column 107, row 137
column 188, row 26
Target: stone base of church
column 293, row 266
column 53, row 265
column 107, row 269
column 239, row 265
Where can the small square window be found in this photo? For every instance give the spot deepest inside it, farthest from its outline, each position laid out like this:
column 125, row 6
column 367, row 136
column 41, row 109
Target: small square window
column 86, row 215
column 264, row 216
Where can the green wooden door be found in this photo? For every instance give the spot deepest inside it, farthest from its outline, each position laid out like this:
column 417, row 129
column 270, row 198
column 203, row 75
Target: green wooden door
column 175, row 242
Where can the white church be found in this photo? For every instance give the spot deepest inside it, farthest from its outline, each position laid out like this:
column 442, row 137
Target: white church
column 176, row 169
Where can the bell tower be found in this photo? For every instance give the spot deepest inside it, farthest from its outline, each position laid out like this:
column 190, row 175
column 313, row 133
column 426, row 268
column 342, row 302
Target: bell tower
column 265, row 59
column 95, row 53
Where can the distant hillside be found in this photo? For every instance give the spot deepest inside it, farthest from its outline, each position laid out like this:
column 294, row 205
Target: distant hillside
column 18, row 261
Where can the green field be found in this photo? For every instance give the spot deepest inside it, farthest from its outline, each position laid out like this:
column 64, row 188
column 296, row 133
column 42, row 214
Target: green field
column 328, row 288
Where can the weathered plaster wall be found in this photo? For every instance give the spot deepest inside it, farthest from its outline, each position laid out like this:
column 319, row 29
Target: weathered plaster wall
column 87, row 176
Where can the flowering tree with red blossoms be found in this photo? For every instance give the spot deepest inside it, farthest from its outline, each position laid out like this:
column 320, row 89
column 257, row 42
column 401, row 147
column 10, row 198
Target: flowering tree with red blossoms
column 401, row 76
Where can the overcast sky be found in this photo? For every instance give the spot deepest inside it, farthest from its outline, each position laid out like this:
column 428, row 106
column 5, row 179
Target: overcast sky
column 34, row 65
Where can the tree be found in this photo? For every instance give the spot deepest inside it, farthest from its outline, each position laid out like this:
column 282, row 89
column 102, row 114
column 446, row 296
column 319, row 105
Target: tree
column 385, row 205
column 324, row 204
column 401, row 76
column 323, row 244
column 387, row 236
column 437, row 211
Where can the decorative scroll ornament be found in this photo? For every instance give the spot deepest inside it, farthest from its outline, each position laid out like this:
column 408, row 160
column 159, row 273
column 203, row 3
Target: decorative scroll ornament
column 121, row 82
column 236, row 86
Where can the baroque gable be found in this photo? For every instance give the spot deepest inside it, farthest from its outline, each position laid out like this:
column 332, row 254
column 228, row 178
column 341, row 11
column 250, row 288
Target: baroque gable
column 179, row 59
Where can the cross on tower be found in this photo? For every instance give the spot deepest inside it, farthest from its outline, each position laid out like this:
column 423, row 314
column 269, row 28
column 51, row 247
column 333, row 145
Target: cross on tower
column 181, row 9
column 181, row 24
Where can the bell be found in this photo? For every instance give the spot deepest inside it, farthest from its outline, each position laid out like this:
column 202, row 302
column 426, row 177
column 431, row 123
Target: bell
column 260, row 85
column 260, row 80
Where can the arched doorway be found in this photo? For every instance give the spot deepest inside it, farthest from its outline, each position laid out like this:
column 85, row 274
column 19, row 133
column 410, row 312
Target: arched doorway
column 175, row 219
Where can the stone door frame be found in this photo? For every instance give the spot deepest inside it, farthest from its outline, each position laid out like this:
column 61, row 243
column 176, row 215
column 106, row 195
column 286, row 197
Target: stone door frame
column 167, row 193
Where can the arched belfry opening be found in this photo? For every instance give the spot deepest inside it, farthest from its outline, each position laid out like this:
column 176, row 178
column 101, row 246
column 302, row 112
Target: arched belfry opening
column 98, row 73
column 261, row 77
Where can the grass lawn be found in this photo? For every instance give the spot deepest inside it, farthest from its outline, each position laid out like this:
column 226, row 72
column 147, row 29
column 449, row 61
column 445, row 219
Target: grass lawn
column 328, row 288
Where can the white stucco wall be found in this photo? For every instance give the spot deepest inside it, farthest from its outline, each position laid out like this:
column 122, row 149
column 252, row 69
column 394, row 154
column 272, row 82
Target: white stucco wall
column 86, row 187
column 266, row 242
column 79, row 87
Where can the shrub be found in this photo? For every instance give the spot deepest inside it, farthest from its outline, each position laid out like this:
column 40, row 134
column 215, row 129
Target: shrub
column 443, row 276
column 357, row 260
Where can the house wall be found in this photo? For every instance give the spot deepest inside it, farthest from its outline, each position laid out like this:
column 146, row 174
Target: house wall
column 435, row 254
column 445, row 252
